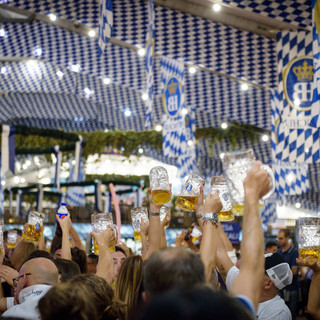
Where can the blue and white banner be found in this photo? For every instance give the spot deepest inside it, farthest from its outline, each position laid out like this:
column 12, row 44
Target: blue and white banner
column 7, row 149
column 172, row 78
column 105, row 24
column 149, row 63
column 268, row 212
column 315, row 111
column 295, row 140
column 232, row 230
column 188, row 159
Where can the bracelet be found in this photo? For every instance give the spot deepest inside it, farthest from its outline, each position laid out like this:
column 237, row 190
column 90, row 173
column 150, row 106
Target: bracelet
column 210, row 217
column 154, row 213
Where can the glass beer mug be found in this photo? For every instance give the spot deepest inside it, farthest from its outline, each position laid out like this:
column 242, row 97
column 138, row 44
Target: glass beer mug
column 236, row 166
column 99, row 223
column 160, row 187
column 136, row 215
column 219, row 184
column 309, row 238
column 190, row 193
column 195, row 234
column 35, row 227
column 12, row 239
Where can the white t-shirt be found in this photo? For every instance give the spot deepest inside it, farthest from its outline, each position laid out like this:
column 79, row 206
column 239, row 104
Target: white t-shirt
column 273, row 309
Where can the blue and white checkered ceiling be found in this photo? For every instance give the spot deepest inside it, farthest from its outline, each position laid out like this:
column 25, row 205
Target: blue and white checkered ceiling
column 65, row 87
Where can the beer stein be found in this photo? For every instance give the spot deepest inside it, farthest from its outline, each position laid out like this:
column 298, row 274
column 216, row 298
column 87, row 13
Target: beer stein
column 195, row 234
column 136, row 215
column 190, row 193
column 236, row 166
column 219, row 184
column 160, row 187
column 309, row 238
column 12, row 239
column 35, row 227
column 99, row 223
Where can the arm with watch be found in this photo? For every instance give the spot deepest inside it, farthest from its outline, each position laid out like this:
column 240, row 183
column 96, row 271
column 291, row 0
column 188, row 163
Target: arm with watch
column 208, row 245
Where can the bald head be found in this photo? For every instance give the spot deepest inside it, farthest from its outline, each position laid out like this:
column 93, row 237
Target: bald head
column 43, row 271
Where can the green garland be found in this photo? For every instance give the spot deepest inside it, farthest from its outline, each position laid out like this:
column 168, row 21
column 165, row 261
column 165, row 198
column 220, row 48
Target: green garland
column 41, row 141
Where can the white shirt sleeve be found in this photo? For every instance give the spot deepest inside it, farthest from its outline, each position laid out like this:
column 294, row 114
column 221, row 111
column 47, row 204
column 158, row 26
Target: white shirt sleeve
column 232, row 256
column 10, row 302
column 231, row 276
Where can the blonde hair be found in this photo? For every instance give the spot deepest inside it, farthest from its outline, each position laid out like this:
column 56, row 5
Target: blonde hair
column 129, row 283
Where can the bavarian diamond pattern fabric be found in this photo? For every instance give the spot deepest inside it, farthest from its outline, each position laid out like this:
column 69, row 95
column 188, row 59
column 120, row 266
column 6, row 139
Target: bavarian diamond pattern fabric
column 105, row 24
column 268, row 212
column 299, row 142
column 292, row 11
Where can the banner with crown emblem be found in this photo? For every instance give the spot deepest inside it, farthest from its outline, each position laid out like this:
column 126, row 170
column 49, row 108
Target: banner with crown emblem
column 188, row 159
column 295, row 139
column 172, row 78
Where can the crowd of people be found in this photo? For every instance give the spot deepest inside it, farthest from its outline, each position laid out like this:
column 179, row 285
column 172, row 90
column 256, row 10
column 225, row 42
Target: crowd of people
column 181, row 282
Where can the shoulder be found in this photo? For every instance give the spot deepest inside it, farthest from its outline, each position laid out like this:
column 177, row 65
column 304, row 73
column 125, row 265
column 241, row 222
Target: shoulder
column 274, row 309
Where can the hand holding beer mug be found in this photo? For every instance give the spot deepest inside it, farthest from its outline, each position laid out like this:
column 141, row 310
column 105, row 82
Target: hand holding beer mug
column 136, row 215
column 160, row 187
column 101, row 222
column 309, row 238
column 35, row 227
column 190, row 193
column 12, row 239
column 196, row 234
column 219, row 184
column 236, row 166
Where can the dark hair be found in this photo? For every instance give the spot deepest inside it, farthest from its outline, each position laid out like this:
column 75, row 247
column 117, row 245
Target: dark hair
column 198, row 303
column 271, row 244
column 67, row 268
column 55, row 244
column 286, row 232
column 80, row 258
column 101, row 296
column 39, row 254
column 173, row 268
column 67, row 302
column 93, row 257
column 120, row 250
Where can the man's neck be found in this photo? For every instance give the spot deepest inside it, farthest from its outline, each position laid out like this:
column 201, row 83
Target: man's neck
column 265, row 296
column 286, row 247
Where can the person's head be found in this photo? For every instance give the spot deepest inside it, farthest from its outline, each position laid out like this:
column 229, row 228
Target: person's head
column 92, row 261
column 36, row 271
column 55, row 249
column 80, row 258
column 67, row 269
column 277, row 276
column 172, row 268
column 118, row 257
column 271, row 247
column 39, row 254
column 21, row 252
column 129, row 282
column 67, row 302
column 283, row 238
column 197, row 303
column 101, row 295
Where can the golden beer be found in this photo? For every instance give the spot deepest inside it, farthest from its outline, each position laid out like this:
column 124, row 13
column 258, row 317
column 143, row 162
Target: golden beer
column 34, row 233
column 160, row 196
column 137, row 235
column 225, row 216
column 186, row 203
column 95, row 247
column 11, row 245
column 311, row 252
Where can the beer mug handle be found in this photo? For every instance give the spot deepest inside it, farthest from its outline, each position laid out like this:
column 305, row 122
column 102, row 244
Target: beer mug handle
column 272, row 183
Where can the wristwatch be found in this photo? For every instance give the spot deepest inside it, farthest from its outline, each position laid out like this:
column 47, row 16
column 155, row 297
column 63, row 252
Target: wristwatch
column 210, row 217
column 154, row 213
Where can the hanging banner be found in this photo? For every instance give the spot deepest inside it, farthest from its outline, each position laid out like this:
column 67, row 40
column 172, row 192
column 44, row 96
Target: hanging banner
column 268, row 212
column 149, row 63
column 39, row 203
column 172, row 78
column 58, row 153
column 291, row 177
column 188, row 159
column 105, row 24
column 7, row 149
column 296, row 140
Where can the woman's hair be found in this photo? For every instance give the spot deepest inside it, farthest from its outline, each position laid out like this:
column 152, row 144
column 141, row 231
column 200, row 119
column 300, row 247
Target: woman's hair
column 20, row 253
column 101, row 296
column 67, row 302
column 129, row 283
column 80, row 258
column 39, row 254
column 67, row 268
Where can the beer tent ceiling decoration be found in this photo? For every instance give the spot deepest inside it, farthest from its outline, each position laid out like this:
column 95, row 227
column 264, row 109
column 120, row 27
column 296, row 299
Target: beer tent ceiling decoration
column 68, row 86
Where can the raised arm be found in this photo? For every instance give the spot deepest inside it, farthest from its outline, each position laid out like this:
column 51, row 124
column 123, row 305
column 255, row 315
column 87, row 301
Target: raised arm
column 144, row 231
column 314, row 291
column 256, row 185
column 75, row 240
column 65, row 225
column 208, row 247
column 165, row 223
column 105, row 266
